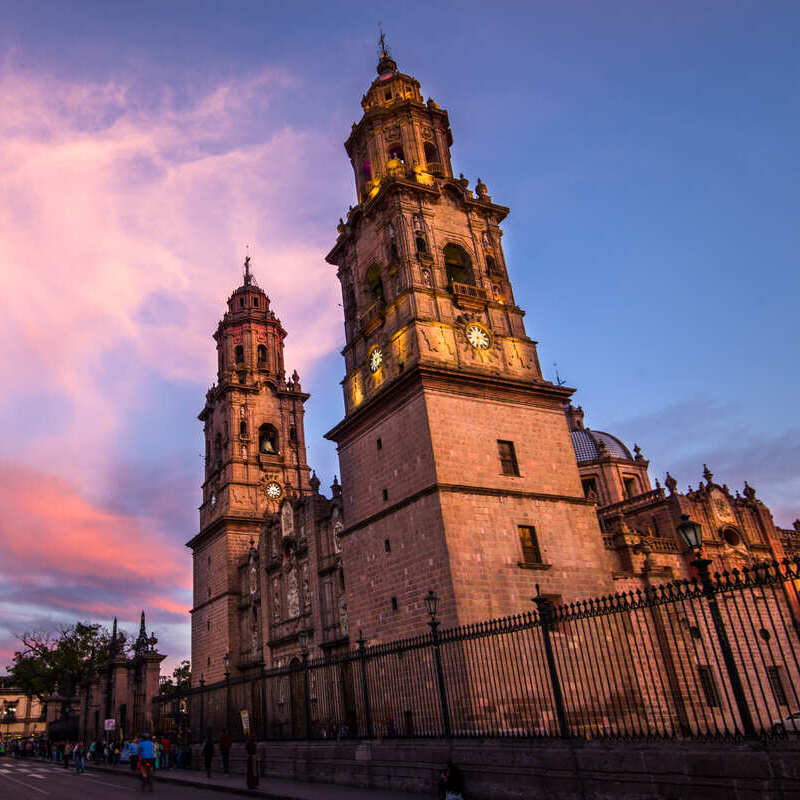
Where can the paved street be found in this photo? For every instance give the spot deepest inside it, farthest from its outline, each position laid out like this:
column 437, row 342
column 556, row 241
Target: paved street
column 32, row 779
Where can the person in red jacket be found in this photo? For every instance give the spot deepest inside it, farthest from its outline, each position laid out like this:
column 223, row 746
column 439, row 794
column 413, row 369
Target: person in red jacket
column 225, row 742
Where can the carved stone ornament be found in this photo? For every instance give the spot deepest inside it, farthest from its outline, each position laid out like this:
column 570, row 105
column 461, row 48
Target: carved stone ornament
column 427, row 133
column 287, row 520
column 292, row 595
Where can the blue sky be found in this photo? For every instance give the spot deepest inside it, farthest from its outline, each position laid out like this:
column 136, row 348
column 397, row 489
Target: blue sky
column 648, row 152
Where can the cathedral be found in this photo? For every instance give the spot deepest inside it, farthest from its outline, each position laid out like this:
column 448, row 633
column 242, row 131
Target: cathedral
column 463, row 470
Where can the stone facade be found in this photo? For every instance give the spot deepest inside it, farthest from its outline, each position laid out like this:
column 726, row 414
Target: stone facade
column 21, row 715
column 266, row 563
column 463, row 469
column 639, row 522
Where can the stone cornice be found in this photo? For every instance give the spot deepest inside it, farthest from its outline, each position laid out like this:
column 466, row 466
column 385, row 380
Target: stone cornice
column 220, row 523
column 483, row 491
column 491, row 387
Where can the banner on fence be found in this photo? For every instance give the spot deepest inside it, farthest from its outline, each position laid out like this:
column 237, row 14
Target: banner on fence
column 245, row 722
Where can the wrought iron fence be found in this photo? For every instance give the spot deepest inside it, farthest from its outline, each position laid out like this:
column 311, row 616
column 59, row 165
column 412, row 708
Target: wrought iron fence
column 710, row 657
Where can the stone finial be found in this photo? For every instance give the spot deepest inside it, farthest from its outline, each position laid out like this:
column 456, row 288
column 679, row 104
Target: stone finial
column 574, row 417
column 314, row 482
column 708, row 474
column 796, row 525
column 340, row 226
column 658, row 483
column 671, row 483
column 638, row 451
column 749, row 492
column 481, row 190
column 336, row 488
column 295, row 381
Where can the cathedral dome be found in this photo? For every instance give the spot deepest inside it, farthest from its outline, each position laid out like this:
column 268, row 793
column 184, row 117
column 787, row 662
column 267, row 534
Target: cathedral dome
column 590, row 445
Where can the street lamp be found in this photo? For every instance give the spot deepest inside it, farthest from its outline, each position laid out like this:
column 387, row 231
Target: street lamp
column 302, row 637
column 227, row 661
column 691, row 533
column 432, row 607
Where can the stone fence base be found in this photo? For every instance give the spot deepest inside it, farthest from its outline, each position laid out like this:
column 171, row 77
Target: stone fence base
column 529, row 770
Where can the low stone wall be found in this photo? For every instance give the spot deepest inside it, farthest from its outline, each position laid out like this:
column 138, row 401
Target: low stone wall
column 529, row 770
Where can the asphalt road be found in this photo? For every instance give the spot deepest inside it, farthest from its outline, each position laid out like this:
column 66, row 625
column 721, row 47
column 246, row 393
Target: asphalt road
column 32, row 779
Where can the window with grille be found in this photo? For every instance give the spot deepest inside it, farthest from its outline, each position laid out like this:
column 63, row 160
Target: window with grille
column 776, row 682
column 531, row 554
column 709, row 685
column 508, row 458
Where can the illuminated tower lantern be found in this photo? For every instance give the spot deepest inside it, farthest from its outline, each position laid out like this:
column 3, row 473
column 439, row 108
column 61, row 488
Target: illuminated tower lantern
column 457, row 469
column 255, row 458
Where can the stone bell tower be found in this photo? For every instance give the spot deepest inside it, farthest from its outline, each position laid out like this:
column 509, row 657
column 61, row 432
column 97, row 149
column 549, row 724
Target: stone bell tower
column 255, row 456
column 457, row 468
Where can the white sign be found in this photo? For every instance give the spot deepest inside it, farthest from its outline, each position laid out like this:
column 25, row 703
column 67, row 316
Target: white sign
column 245, row 722
column 110, row 724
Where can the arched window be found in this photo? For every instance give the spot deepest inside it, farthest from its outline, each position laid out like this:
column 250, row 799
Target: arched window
column 366, row 171
column 262, row 355
column 293, row 435
column 431, row 153
column 243, row 428
column 238, row 354
column 374, row 284
column 422, row 245
column 397, row 152
column 491, row 265
column 267, row 439
column 457, row 264
column 218, row 449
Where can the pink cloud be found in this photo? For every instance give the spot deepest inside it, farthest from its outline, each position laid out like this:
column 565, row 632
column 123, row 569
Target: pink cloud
column 48, row 529
column 106, row 204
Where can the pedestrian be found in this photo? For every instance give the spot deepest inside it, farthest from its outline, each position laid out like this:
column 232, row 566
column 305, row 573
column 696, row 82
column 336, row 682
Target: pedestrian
column 208, row 752
column 225, row 743
column 252, row 764
column 451, row 783
column 133, row 754
column 79, row 756
column 67, row 754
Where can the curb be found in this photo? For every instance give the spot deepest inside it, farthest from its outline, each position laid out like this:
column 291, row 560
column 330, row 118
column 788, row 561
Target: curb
column 214, row 787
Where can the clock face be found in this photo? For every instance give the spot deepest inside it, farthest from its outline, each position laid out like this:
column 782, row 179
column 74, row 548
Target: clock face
column 477, row 337
column 375, row 360
column 273, row 490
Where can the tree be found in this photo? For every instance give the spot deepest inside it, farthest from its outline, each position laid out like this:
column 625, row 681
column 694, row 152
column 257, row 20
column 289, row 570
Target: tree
column 50, row 661
column 181, row 678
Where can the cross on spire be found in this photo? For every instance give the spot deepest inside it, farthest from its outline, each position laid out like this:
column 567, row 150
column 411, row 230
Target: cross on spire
column 248, row 278
column 382, row 49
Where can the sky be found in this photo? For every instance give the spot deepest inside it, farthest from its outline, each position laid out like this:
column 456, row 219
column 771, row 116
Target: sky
column 647, row 150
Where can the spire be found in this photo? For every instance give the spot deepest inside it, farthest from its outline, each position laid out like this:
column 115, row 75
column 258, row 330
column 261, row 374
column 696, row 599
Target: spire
column 386, row 64
column 248, row 278
column 113, row 645
column 142, row 641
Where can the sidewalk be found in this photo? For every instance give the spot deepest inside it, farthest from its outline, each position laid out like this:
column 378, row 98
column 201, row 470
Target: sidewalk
column 272, row 788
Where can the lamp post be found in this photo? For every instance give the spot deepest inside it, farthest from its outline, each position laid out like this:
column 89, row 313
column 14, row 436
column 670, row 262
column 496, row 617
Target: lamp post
column 302, row 637
column 691, row 534
column 227, row 662
column 202, row 704
column 432, row 607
